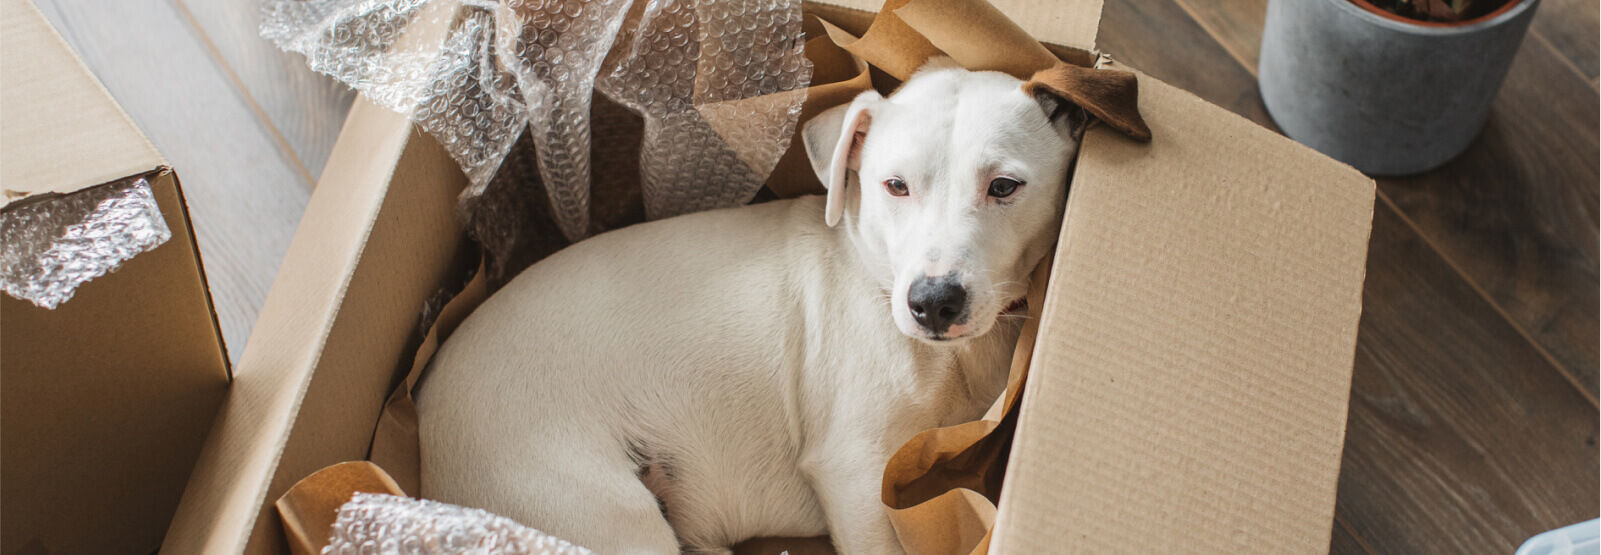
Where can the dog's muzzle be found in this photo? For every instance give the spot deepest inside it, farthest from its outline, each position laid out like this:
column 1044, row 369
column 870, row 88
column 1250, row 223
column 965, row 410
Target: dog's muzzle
column 937, row 302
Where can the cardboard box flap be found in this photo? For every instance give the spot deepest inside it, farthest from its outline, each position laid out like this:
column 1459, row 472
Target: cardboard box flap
column 60, row 131
column 324, row 352
column 1070, row 23
column 1189, row 387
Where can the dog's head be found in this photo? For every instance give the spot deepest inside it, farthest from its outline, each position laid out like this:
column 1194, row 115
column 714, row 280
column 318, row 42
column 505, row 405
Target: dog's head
column 954, row 186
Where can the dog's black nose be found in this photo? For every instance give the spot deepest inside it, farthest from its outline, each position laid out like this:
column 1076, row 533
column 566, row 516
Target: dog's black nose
column 936, row 302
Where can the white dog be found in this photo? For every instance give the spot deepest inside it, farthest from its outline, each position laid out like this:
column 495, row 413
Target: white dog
column 697, row 381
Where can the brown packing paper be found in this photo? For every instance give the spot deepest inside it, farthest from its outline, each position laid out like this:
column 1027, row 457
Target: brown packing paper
column 837, row 77
column 941, row 488
column 395, row 441
column 976, row 35
column 311, row 506
column 889, row 44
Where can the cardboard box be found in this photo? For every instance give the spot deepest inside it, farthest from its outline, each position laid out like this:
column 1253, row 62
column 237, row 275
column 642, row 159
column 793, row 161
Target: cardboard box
column 107, row 399
column 1188, row 386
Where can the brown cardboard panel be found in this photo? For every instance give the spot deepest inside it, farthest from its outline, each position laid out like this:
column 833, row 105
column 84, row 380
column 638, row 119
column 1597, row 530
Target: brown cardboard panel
column 1190, row 381
column 60, row 131
column 375, row 241
column 107, row 400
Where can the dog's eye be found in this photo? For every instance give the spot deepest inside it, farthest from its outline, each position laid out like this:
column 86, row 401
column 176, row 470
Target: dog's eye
column 896, row 187
column 1003, row 187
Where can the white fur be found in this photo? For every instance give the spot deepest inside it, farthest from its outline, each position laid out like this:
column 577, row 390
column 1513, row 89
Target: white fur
column 754, row 365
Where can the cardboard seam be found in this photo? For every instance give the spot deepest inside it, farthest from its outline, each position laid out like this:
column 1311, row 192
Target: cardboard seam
column 242, row 540
column 200, row 267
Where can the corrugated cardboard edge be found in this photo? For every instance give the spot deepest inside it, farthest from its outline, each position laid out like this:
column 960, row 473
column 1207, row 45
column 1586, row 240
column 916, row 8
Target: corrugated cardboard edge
column 54, row 116
column 1056, row 495
column 252, row 455
column 230, row 484
column 200, row 267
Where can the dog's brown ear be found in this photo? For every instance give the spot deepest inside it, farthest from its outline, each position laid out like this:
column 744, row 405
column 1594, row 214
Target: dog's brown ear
column 1111, row 96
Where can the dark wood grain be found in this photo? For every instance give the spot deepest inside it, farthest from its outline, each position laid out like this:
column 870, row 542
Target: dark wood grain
column 1571, row 28
column 1516, row 212
column 1343, row 542
column 1162, row 40
column 1463, row 435
column 1234, row 24
column 1462, row 438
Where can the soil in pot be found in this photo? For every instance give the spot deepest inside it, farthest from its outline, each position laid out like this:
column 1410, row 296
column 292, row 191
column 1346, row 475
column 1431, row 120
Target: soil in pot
column 1447, row 13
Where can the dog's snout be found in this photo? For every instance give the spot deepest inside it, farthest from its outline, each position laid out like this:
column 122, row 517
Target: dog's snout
column 936, row 302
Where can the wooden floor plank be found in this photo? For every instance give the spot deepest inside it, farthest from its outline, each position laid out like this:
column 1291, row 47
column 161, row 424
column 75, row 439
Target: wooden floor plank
column 1461, row 438
column 244, row 197
column 307, row 108
column 1572, row 27
column 1235, row 24
column 1343, row 542
column 1160, row 39
column 1516, row 212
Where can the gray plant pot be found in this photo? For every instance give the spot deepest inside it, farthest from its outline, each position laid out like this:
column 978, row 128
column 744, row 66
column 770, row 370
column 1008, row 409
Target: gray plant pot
column 1385, row 96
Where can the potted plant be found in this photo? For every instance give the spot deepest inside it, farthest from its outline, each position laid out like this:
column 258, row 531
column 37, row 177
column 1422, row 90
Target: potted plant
column 1392, row 87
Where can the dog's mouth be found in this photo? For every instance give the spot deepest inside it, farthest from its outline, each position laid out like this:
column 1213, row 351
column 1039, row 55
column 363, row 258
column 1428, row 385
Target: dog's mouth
column 1019, row 306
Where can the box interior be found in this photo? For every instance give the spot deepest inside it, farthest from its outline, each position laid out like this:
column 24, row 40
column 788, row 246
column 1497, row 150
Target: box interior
column 1195, row 351
column 107, row 400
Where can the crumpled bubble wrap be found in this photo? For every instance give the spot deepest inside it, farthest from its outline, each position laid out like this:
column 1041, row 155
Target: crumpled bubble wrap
column 49, row 248
column 719, row 82
column 379, row 524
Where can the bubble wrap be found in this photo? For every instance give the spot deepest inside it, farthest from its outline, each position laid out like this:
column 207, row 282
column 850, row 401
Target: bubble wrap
column 49, row 248
column 378, row 524
column 719, row 82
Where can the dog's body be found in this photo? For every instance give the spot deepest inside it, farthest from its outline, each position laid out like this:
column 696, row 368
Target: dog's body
column 776, row 374
column 755, row 366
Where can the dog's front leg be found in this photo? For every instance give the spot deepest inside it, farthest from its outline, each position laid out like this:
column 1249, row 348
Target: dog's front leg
column 847, row 485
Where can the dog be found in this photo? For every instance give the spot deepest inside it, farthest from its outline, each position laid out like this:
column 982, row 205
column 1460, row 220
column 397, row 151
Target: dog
column 686, row 384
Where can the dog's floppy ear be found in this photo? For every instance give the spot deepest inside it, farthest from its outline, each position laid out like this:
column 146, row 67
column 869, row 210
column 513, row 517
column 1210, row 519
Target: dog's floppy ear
column 1111, row 96
column 834, row 144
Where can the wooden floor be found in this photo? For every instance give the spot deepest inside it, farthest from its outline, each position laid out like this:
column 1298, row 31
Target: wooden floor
column 1473, row 417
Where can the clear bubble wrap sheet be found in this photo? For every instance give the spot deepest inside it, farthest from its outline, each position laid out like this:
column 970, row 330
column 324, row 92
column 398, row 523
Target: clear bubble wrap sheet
column 719, row 83
column 378, row 524
column 49, row 248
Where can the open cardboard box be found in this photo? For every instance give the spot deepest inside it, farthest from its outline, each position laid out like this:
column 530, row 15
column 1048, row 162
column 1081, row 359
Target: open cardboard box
column 108, row 398
column 1188, row 384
